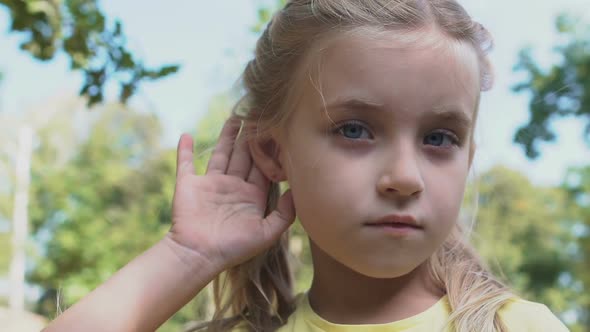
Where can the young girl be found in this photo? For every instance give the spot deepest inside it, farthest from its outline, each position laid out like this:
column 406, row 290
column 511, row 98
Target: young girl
column 367, row 109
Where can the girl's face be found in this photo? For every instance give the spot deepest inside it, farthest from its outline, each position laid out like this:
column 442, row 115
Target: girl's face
column 390, row 135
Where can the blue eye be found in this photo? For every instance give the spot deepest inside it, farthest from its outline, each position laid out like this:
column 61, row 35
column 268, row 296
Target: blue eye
column 352, row 130
column 438, row 139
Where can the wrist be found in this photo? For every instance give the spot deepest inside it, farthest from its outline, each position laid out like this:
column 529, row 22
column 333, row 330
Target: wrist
column 190, row 258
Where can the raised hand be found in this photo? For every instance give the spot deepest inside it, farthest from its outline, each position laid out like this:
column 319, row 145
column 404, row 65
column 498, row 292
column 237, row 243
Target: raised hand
column 219, row 215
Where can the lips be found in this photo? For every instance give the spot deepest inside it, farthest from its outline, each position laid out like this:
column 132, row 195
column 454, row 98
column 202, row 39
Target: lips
column 396, row 220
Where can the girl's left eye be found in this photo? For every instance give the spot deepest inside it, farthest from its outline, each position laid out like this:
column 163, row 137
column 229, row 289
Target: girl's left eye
column 439, row 138
column 352, row 128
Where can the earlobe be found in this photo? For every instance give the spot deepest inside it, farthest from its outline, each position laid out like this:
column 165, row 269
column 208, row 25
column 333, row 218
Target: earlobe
column 265, row 154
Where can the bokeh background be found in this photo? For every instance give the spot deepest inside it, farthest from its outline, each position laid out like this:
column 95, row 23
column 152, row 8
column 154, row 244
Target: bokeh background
column 95, row 94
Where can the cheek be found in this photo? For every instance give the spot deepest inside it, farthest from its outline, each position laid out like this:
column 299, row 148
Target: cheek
column 445, row 194
column 313, row 178
column 324, row 192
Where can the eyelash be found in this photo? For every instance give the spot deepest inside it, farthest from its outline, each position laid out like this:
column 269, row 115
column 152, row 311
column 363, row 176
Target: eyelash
column 453, row 138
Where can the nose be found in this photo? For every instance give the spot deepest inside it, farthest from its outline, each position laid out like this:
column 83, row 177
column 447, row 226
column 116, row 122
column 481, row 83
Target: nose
column 402, row 175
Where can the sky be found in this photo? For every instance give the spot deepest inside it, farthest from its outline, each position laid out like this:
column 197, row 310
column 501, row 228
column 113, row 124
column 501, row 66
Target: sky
column 212, row 42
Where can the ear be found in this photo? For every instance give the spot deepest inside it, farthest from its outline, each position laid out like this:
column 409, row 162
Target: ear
column 265, row 151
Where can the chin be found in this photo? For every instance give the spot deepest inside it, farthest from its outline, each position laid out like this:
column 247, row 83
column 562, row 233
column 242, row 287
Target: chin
column 389, row 272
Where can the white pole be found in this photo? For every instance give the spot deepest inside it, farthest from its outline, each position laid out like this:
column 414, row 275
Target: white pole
column 20, row 218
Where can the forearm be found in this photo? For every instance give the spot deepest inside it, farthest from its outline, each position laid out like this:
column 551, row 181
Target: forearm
column 143, row 294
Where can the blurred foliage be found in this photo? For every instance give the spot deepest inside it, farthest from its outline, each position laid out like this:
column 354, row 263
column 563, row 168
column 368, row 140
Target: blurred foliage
column 80, row 30
column 577, row 185
column 5, row 252
column 93, row 203
column 561, row 91
column 265, row 13
column 515, row 214
column 524, row 233
column 100, row 204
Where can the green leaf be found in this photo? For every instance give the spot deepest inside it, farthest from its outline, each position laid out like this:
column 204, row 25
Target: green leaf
column 78, row 28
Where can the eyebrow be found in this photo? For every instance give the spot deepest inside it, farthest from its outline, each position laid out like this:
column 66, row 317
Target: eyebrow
column 446, row 113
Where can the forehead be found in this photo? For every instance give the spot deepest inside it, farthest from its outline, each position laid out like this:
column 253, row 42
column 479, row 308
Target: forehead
column 415, row 71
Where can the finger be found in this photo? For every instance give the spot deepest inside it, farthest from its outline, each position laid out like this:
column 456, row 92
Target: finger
column 280, row 219
column 241, row 160
column 223, row 150
column 257, row 178
column 184, row 156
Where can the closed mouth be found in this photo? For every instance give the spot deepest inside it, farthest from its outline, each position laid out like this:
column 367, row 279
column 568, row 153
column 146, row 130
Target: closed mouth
column 394, row 225
column 396, row 221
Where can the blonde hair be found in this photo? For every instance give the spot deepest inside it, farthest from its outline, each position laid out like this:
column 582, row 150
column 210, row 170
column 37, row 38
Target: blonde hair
column 258, row 294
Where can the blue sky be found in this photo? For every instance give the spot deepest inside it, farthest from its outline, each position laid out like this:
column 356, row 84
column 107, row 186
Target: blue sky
column 211, row 41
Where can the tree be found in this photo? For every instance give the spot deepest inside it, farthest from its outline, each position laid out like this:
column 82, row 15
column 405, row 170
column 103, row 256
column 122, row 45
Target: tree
column 91, row 202
column 102, row 196
column 79, row 28
column 577, row 184
column 563, row 91
column 5, row 252
column 523, row 230
column 5, row 243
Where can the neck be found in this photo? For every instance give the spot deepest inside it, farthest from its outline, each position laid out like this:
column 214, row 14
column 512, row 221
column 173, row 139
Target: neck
column 343, row 296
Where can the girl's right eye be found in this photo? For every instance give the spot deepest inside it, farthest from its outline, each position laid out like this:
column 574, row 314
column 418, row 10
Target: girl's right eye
column 352, row 130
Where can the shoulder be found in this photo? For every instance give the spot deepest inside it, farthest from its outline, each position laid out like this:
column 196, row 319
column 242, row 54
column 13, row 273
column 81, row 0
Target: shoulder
column 522, row 315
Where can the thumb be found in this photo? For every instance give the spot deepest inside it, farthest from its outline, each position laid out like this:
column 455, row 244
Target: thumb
column 277, row 222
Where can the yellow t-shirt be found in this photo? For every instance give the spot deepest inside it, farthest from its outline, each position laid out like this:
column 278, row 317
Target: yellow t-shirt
column 518, row 316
